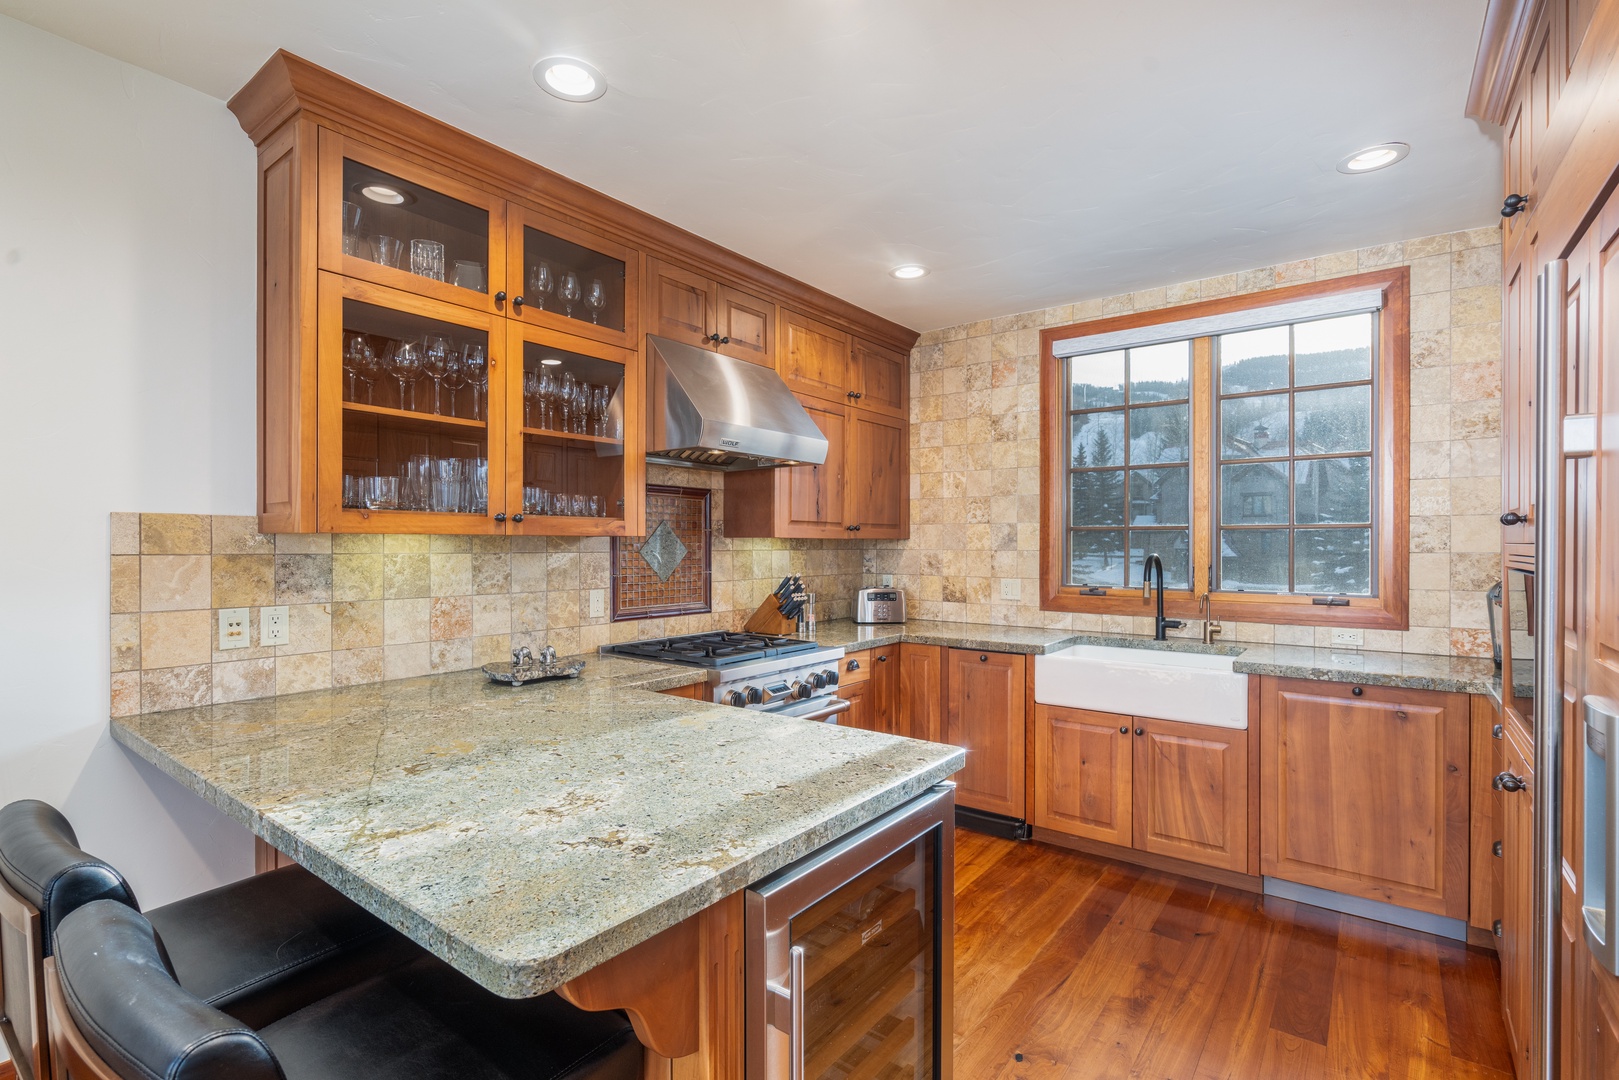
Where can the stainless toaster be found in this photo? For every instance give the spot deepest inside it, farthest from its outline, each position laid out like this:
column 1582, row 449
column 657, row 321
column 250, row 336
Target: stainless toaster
column 879, row 605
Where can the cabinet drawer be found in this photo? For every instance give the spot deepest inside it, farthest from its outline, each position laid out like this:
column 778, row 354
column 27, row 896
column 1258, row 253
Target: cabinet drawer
column 855, row 668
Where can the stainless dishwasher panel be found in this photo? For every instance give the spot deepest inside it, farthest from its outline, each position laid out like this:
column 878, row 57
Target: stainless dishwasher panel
column 849, row 962
column 1601, row 831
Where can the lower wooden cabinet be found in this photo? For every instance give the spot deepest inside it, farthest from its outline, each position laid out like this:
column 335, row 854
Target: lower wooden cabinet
column 919, row 699
column 862, row 701
column 1599, row 1039
column 1364, row 791
column 1179, row 790
column 984, row 702
column 870, row 681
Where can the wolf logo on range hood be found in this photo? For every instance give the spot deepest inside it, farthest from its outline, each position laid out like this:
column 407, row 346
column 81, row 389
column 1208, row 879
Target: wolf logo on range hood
column 713, row 411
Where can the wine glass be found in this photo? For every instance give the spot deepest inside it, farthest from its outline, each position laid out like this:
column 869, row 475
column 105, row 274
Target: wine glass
column 354, row 360
column 435, row 363
column 455, row 376
column 531, row 399
column 406, row 365
column 596, row 299
column 581, row 408
column 475, row 360
column 565, row 396
column 372, row 366
column 569, row 292
column 548, row 390
column 541, row 284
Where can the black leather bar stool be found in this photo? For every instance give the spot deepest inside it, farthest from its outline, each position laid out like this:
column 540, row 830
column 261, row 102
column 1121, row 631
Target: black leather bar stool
column 116, row 1013
column 257, row 949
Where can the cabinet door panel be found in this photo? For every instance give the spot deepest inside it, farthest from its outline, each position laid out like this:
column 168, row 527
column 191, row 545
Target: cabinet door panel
column 814, row 358
column 747, row 327
column 680, row 304
column 879, row 463
column 919, row 704
column 568, row 255
column 984, row 695
column 862, row 706
column 1191, row 793
column 1518, row 910
column 880, row 379
column 1082, row 773
column 1518, row 418
column 1366, row 795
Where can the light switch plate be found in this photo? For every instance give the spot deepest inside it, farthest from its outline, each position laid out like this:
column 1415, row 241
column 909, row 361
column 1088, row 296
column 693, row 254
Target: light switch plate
column 598, row 603
column 273, row 629
column 1352, row 638
column 235, row 628
column 1011, row 588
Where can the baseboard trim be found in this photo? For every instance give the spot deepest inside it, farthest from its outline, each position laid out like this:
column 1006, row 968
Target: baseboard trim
column 1152, row 861
column 8, row 1071
column 1007, row 828
column 1375, row 910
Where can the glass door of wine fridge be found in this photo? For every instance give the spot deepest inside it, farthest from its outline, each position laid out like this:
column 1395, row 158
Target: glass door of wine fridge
column 849, row 958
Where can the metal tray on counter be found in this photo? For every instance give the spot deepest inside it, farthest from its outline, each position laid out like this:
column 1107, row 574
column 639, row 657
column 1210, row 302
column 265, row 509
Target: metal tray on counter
column 524, row 668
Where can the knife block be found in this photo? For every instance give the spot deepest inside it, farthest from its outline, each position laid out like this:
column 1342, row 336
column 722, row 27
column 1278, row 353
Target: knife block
column 768, row 619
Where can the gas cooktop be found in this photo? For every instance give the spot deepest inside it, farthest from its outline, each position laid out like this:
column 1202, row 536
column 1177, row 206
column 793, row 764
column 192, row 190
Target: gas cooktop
column 716, row 650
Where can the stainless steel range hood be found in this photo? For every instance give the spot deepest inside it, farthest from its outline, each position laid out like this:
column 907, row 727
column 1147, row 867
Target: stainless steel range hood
column 716, row 412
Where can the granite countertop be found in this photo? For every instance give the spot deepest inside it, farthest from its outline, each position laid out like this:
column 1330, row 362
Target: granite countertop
column 526, row 835
column 1412, row 671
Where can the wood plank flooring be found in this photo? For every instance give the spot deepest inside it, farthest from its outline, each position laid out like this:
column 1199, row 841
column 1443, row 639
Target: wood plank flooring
column 1078, row 967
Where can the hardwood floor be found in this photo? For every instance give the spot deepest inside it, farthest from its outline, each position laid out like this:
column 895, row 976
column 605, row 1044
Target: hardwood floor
column 1073, row 966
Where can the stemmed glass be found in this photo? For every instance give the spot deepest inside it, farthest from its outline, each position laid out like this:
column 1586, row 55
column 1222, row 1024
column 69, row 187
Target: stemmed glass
column 599, row 408
column 354, row 360
column 565, row 394
column 581, row 408
column 475, row 360
column 406, row 365
column 541, row 284
column 455, row 377
column 596, row 299
column 548, row 391
column 435, row 363
column 372, row 368
column 531, row 399
column 569, row 292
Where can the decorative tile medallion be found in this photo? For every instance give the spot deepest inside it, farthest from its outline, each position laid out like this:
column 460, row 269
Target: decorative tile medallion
column 668, row 573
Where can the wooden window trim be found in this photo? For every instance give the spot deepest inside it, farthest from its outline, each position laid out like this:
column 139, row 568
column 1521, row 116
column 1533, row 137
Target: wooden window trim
column 1388, row 610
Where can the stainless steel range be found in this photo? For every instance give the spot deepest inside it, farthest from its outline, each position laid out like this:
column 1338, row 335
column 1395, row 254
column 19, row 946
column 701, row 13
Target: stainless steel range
column 780, row 675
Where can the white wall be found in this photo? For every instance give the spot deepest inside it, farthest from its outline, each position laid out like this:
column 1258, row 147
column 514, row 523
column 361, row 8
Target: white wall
column 126, row 375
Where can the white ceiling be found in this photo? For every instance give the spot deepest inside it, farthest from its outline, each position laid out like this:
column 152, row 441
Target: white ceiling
column 1030, row 153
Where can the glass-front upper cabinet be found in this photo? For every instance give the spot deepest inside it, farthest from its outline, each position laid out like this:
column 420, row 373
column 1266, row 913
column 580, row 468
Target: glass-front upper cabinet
column 408, row 387
column 571, row 280
column 386, row 220
column 574, row 463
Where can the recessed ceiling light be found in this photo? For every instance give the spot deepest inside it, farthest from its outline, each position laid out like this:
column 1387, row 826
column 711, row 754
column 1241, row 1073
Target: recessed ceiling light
column 1373, row 158
column 569, row 79
column 551, row 361
column 382, row 193
column 909, row 271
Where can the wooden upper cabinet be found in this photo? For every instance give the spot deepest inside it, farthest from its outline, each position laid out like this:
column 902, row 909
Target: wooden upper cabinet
column 880, row 379
column 1191, row 792
column 984, row 703
column 1083, row 774
column 879, row 476
column 689, row 307
column 1364, row 790
column 801, row 501
column 567, row 279
column 814, row 358
column 387, row 220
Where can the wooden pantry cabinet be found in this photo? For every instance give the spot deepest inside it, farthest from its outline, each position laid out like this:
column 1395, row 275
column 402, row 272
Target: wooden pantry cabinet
column 451, row 339
column 1166, row 788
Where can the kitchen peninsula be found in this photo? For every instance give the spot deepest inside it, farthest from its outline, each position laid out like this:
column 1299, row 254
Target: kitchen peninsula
column 531, row 835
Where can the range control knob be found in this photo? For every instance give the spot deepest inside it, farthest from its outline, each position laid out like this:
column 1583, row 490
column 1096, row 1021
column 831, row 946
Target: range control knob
column 817, row 679
column 831, row 676
column 755, row 696
column 735, row 697
column 803, row 689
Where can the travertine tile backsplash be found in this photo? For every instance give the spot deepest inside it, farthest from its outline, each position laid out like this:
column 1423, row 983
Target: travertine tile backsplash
column 367, row 608
column 975, row 445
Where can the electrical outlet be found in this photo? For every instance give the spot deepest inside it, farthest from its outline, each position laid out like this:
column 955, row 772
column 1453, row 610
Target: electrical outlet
column 1011, row 588
column 1352, row 638
column 885, row 581
column 235, row 628
column 273, row 629
column 598, row 603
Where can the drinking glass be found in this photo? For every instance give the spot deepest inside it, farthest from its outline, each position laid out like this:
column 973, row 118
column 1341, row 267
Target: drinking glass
column 351, row 490
column 372, row 367
column 559, row 504
column 417, row 482
column 406, row 366
column 595, row 506
column 353, row 243
column 455, row 376
column 541, row 284
column 596, row 299
column 476, row 361
column 565, row 400
column 435, row 363
column 469, row 275
column 387, row 250
column 548, row 390
column 580, row 505
column 427, row 259
column 478, row 486
column 599, row 409
column 581, row 406
column 569, row 292
column 353, row 359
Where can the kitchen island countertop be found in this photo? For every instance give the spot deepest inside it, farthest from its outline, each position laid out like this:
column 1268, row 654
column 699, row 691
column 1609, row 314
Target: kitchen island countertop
column 527, row 835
